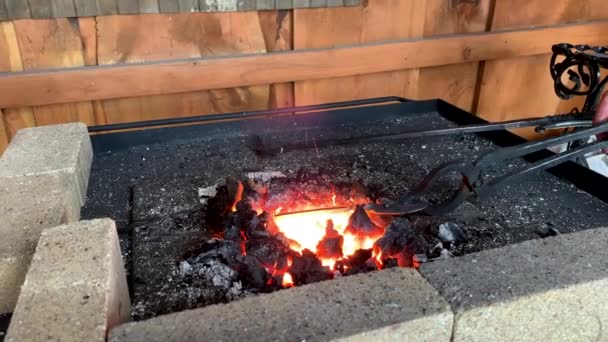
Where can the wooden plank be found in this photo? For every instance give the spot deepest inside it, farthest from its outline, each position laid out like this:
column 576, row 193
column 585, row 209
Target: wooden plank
column 63, row 8
column 128, row 6
column 217, row 6
column 157, row 37
column 3, row 10
column 168, row 6
column 457, row 83
column 509, row 84
column 246, row 5
column 41, row 9
column 318, row 3
column 335, row 3
column 87, row 8
column 12, row 119
column 380, row 20
column 148, row 6
column 277, row 30
column 18, row 9
column 166, row 77
column 61, row 49
column 108, row 7
column 4, row 138
column 266, row 4
column 284, row 4
column 188, row 5
column 301, row 3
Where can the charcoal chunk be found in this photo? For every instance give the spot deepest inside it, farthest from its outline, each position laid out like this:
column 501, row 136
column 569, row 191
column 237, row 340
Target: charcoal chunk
column 307, row 268
column 361, row 261
column 361, row 225
column 396, row 237
column 252, row 273
column 268, row 250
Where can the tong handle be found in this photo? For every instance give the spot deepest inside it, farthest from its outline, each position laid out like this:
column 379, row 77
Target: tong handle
column 496, row 184
column 535, row 146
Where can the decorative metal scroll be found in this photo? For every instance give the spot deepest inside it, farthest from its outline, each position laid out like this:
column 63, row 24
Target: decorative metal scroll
column 576, row 71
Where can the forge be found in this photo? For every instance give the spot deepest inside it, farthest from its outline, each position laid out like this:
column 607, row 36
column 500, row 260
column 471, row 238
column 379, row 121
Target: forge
column 205, row 218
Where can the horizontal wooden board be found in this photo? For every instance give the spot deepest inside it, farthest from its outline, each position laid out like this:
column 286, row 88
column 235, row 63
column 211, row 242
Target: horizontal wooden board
column 45, row 9
column 107, row 82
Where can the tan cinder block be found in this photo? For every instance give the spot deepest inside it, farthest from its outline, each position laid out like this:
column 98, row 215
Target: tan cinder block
column 12, row 275
column 29, row 205
column 58, row 150
column 389, row 305
column 75, row 289
column 555, row 289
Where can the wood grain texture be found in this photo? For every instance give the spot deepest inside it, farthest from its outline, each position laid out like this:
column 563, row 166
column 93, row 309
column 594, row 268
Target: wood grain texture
column 385, row 19
column 12, row 119
column 157, row 37
column 41, row 9
column 108, row 7
column 3, row 10
column 4, row 138
column 59, row 47
column 277, row 30
column 128, row 6
column 237, row 70
column 301, row 3
column 188, row 5
column 455, row 84
column 148, row 6
column 18, row 9
column 86, row 8
column 521, row 87
column 63, row 8
column 168, row 6
column 284, row 4
column 266, row 4
column 379, row 20
column 246, row 5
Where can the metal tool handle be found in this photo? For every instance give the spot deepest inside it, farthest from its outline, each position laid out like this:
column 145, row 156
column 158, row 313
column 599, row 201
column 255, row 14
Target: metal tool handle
column 535, row 146
column 493, row 186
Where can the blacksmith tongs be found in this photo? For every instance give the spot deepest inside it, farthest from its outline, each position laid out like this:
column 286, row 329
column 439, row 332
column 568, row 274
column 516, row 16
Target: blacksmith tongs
column 473, row 182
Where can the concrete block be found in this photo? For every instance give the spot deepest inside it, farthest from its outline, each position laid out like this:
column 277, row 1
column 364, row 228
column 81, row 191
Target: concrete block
column 75, row 289
column 63, row 151
column 389, row 305
column 554, row 289
column 29, row 205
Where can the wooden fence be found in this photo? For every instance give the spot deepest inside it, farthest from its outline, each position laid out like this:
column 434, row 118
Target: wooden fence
column 488, row 56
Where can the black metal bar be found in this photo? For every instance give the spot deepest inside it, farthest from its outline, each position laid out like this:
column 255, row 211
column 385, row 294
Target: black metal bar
column 569, row 155
column 244, row 115
column 518, row 151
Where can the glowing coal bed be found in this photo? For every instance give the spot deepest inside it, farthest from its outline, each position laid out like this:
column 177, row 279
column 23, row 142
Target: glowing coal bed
column 283, row 233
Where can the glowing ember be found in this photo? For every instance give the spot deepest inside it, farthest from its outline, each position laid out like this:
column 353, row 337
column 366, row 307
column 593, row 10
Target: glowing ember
column 307, row 229
column 287, row 280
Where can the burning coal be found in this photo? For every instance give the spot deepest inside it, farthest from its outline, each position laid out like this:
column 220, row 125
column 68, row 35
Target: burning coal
column 285, row 233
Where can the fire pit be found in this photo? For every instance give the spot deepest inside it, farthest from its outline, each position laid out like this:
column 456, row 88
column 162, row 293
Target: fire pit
column 204, row 218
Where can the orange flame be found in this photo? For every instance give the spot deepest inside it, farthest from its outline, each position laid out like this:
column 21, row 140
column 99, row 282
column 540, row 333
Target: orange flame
column 238, row 196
